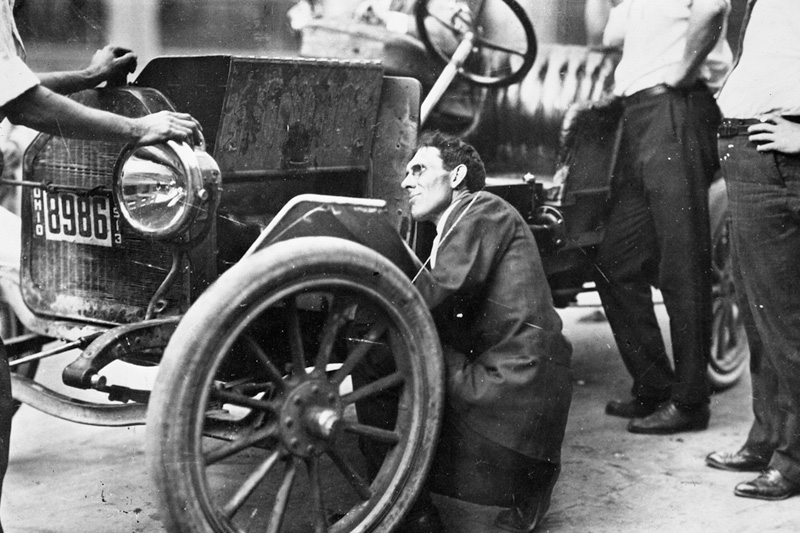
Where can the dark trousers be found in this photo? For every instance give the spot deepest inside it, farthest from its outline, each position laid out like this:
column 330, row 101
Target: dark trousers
column 658, row 235
column 764, row 200
column 467, row 466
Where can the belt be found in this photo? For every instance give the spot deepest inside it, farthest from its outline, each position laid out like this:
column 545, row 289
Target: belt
column 731, row 127
column 645, row 94
column 663, row 88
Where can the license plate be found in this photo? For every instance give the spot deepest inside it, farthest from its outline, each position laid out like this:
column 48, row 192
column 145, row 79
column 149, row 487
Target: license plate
column 83, row 219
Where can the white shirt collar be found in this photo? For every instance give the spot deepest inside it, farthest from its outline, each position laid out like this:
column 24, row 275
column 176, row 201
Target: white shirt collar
column 437, row 241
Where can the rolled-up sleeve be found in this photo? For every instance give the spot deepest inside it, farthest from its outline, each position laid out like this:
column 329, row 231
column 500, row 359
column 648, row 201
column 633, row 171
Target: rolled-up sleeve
column 617, row 25
column 15, row 78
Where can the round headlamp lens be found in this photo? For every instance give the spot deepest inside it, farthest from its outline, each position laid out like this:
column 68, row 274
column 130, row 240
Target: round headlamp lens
column 155, row 190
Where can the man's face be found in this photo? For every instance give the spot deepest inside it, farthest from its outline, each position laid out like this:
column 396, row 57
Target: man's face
column 428, row 185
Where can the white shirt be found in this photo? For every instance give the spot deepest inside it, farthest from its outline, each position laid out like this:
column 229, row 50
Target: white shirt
column 653, row 35
column 437, row 241
column 15, row 77
column 767, row 77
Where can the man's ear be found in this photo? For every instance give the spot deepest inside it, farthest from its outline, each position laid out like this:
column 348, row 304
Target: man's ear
column 457, row 176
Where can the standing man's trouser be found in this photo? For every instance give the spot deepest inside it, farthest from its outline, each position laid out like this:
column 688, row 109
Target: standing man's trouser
column 658, row 235
column 764, row 199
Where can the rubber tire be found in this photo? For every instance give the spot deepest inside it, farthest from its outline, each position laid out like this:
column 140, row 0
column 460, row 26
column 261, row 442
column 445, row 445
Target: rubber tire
column 175, row 415
column 726, row 365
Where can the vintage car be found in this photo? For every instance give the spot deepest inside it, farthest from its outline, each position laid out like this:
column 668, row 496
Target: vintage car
column 257, row 270
column 254, row 297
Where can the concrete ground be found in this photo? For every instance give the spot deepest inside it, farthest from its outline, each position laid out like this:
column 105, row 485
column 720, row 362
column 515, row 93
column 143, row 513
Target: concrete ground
column 69, row 478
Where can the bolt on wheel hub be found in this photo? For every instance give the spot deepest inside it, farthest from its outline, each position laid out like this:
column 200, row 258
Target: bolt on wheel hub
column 310, row 418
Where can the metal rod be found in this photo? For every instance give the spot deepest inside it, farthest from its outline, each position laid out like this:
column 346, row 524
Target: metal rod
column 51, row 187
column 177, row 255
column 446, row 77
column 280, row 173
column 47, row 353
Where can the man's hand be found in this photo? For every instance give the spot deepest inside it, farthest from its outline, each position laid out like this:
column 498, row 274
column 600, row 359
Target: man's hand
column 111, row 63
column 595, row 16
column 167, row 125
column 706, row 21
column 776, row 134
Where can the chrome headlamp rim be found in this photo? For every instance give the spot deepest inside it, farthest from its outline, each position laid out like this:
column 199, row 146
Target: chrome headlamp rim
column 186, row 214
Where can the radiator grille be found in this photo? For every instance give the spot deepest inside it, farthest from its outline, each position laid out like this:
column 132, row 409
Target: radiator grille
column 99, row 283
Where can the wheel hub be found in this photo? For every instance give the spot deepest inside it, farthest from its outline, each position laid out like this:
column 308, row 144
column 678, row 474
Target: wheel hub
column 311, row 417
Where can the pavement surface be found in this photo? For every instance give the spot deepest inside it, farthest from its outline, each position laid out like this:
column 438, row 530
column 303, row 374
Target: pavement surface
column 64, row 477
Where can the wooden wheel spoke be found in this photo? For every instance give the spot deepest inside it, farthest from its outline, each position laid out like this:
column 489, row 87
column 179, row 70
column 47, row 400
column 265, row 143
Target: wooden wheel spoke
column 320, row 520
column 357, row 354
column 250, row 484
column 733, row 334
column 371, row 432
column 273, row 372
column 337, row 318
column 282, row 498
column 727, row 330
column 358, row 483
column 379, row 385
column 296, row 339
column 230, row 448
column 241, row 400
column 256, row 387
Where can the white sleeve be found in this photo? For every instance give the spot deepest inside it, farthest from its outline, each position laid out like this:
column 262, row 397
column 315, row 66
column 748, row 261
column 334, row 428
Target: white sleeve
column 15, row 78
column 617, row 25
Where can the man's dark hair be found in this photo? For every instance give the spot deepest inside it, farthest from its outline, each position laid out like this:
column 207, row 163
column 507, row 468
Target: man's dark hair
column 456, row 152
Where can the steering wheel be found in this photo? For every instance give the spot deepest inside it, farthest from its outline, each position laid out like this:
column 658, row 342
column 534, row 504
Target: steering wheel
column 461, row 24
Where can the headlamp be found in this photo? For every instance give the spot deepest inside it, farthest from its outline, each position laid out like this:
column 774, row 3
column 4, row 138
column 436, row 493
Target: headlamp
column 160, row 189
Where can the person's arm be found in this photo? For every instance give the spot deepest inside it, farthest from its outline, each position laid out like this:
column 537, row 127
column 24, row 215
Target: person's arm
column 616, row 23
column 776, row 134
column 595, row 16
column 109, row 63
column 44, row 110
column 705, row 27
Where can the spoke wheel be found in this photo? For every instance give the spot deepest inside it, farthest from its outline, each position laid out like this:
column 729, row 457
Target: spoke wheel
column 514, row 63
column 252, row 426
column 729, row 350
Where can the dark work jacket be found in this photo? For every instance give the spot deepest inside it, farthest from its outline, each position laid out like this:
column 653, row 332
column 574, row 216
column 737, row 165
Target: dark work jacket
column 508, row 365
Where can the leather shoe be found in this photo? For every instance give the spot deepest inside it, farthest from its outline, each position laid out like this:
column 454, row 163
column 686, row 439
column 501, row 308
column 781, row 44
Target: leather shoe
column 633, row 408
column 770, row 485
column 742, row 461
column 669, row 418
column 427, row 521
